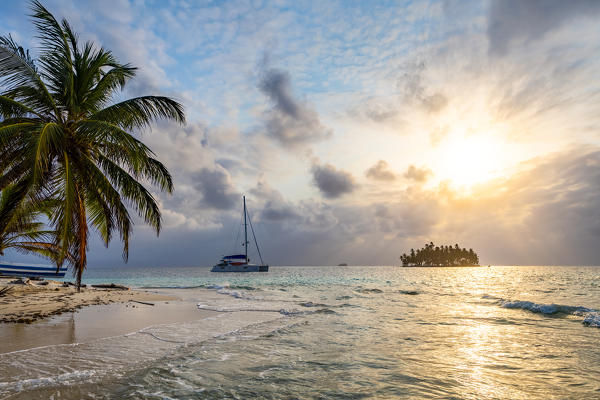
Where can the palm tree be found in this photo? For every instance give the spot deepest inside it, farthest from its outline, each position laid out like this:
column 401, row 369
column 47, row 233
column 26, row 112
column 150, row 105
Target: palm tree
column 62, row 139
column 20, row 228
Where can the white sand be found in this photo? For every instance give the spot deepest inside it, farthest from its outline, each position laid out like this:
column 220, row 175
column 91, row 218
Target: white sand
column 31, row 302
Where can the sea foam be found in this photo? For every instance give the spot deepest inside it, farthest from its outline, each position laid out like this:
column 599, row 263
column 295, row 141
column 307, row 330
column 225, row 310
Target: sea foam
column 548, row 309
column 591, row 316
column 592, row 320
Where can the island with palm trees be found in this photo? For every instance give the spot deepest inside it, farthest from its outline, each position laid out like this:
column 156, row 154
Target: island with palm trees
column 440, row 256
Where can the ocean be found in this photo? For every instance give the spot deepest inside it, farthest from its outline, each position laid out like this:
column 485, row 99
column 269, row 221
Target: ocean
column 495, row 332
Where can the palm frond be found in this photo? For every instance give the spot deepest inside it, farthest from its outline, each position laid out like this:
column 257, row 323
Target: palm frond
column 124, row 149
column 10, row 200
column 18, row 72
column 48, row 142
column 9, row 43
column 141, row 112
column 10, row 108
column 134, row 192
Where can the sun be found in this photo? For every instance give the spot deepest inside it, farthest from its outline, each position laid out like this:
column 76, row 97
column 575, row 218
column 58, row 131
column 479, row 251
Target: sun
column 466, row 160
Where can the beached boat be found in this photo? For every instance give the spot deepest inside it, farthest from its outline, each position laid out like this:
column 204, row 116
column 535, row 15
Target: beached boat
column 241, row 262
column 31, row 270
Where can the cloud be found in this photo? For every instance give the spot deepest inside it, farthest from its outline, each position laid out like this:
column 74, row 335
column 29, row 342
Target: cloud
column 434, row 103
column 546, row 213
column 274, row 211
column 216, row 189
column 274, row 207
column 511, row 20
column 413, row 90
column 418, row 174
column 331, row 182
column 381, row 172
column 290, row 121
column 437, row 134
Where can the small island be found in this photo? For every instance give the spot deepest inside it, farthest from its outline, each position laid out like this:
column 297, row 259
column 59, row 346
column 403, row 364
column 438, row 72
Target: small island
column 440, row 256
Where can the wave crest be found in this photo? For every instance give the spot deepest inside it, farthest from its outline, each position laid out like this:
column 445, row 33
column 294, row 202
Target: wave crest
column 591, row 316
column 547, row 309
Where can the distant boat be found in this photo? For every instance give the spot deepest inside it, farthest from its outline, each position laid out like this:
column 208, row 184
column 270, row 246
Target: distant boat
column 31, row 270
column 241, row 262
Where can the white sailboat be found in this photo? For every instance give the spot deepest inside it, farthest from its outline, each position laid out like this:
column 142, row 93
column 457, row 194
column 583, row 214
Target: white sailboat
column 241, row 262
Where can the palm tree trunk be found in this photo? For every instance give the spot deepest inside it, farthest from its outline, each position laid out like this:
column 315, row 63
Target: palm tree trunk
column 83, row 238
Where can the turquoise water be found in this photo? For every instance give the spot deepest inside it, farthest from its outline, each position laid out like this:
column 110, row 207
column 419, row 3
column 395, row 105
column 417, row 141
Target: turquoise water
column 350, row 332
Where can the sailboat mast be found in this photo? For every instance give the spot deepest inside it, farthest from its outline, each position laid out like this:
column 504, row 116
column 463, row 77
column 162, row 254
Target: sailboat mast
column 245, row 231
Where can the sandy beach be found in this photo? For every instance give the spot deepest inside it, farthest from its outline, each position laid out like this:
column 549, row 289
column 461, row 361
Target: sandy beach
column 36, row 315
column 35, row 300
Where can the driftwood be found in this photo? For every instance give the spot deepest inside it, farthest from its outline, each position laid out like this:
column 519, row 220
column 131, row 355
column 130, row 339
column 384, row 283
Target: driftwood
column 20, row 281
column 5, row 290
column 110, row 286
column 142, row 302
column 67, row 284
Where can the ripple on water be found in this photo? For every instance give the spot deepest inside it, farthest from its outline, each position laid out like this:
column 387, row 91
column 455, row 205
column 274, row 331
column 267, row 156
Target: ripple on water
column 446, row 341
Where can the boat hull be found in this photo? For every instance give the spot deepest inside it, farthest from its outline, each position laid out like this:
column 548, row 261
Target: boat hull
column 46, row 271
column 240, row 268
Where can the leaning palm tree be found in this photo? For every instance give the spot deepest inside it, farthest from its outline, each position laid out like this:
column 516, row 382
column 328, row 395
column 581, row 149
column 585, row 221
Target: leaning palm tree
column 62, row 138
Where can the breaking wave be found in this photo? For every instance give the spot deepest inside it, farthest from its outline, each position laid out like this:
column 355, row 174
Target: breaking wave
column 591, row 316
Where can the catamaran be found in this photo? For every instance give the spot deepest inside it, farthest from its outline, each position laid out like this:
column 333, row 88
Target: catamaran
column 241, row 262
column 32, row 270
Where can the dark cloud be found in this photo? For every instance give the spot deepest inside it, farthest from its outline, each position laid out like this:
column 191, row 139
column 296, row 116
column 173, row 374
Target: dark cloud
column 510, row 20
column 216, row 189
column 290, row 121
column 274, row 207
column 381, row 172
column 417, row 174
column 546, row 214
column 332, row 183
column 276, row 85
column 277, row 211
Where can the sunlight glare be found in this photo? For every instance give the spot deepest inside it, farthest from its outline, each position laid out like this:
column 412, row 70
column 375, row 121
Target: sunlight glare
column 466, row 160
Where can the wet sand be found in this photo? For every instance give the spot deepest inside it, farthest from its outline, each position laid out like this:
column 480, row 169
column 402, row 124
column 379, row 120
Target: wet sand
column 34, row 315
column 95, row 322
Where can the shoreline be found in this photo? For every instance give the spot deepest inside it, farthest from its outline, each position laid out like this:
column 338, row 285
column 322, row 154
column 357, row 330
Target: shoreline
column 96, row 322
column 38, row 300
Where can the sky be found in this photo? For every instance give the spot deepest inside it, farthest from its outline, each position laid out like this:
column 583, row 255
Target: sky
column 358, row 130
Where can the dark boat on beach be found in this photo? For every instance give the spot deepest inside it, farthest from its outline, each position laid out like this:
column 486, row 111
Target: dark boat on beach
column 31, row 270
